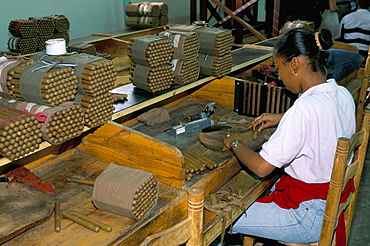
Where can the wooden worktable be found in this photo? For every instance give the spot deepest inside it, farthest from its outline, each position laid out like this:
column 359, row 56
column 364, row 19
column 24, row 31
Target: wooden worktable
column 90, row 158
column 109, row 143
column 139, row 100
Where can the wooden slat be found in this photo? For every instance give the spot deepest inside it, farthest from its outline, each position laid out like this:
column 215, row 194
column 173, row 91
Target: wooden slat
column 220, row 91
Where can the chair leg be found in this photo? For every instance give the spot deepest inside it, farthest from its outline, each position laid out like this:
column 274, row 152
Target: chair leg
column 248, row 241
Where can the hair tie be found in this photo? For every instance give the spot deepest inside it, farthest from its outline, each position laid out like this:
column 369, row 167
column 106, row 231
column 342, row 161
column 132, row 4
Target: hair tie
column 318, row 40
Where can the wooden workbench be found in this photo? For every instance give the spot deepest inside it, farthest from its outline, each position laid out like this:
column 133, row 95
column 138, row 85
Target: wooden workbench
column 122, row 141
column 156, row 151
column 139, row 100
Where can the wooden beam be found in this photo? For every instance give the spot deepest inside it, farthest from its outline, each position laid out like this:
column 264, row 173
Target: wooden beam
column 275, row 20
column 238, row 19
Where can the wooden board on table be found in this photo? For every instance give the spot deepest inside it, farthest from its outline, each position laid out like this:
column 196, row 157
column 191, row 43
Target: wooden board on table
column 123, row 146
column 22, row 207
column 78, row 197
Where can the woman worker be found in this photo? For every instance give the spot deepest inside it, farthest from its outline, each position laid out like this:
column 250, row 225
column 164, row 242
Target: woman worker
column 304, row 143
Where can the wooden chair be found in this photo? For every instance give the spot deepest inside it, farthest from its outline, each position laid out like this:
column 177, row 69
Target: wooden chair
column 188, row 231
column 363, row 91
column 340, row 175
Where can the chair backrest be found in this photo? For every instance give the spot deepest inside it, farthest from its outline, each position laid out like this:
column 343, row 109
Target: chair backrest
column 363, row 91
column 340, row 175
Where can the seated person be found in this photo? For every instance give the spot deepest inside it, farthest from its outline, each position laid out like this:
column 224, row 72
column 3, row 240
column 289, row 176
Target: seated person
column 341, row 63
column 355, row 27
column 303, row 144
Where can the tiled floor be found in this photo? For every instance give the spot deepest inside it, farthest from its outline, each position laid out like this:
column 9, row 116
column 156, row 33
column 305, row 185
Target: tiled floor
column 360, row 232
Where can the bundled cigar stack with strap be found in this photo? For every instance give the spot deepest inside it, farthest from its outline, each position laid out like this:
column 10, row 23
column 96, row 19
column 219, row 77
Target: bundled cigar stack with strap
column 30, row 35
column 185, row 62
column 45, row 32
column 61, row 123
column 163, row 12
column 98, row 109
column 6, row 76
column 45, row 84
column 150, row 59
column 125, row 191
column 62, row 26
column 45, row 26
column 146, row 14
column 216, row 66
column 214, row 53
column 215, row 46
column 186, row 44
column 82, row 48
column 23, row 28
column 22, row 45
column 19, row 133
column 96, row 77
column 24, row 36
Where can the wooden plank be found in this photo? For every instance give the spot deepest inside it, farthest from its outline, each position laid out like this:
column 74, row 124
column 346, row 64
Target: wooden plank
column 178, row 234
column 171, row 205
column 124, row 146
column 220, row 91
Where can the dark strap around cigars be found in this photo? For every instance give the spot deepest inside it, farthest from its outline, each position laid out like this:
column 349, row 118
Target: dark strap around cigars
column 140, row 76
column 80, row 60
column 139, row 48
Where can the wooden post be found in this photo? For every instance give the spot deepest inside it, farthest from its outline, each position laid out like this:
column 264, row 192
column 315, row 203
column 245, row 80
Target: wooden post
column 195, row 212
column 275, row 20
column 193, row 11
column 335, row 190
column 363, row 93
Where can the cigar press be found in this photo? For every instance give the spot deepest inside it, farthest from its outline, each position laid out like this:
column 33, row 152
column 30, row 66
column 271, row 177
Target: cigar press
column 194, row 122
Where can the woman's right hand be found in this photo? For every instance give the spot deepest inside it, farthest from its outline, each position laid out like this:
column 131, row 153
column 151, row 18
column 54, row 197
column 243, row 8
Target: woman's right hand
column 268, row 119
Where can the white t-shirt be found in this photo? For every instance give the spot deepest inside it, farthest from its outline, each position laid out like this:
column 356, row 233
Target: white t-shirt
column 306, row 137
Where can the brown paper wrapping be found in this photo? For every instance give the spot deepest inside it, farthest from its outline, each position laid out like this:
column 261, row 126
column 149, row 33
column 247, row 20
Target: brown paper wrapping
column 125, row 191
column 186, row 44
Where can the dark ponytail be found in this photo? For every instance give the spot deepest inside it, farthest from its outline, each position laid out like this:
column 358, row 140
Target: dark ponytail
column 302, row 42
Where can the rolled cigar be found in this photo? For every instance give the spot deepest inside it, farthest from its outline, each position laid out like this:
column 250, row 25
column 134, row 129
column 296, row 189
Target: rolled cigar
column 103, row 226
column 80, row 221
column 57, row 219
column 210, row 164
column 80, row 181
column 189, row 167
column 195, row 162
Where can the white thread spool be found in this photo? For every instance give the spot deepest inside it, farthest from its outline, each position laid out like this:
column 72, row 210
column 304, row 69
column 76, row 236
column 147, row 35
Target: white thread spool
column 56, row 46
